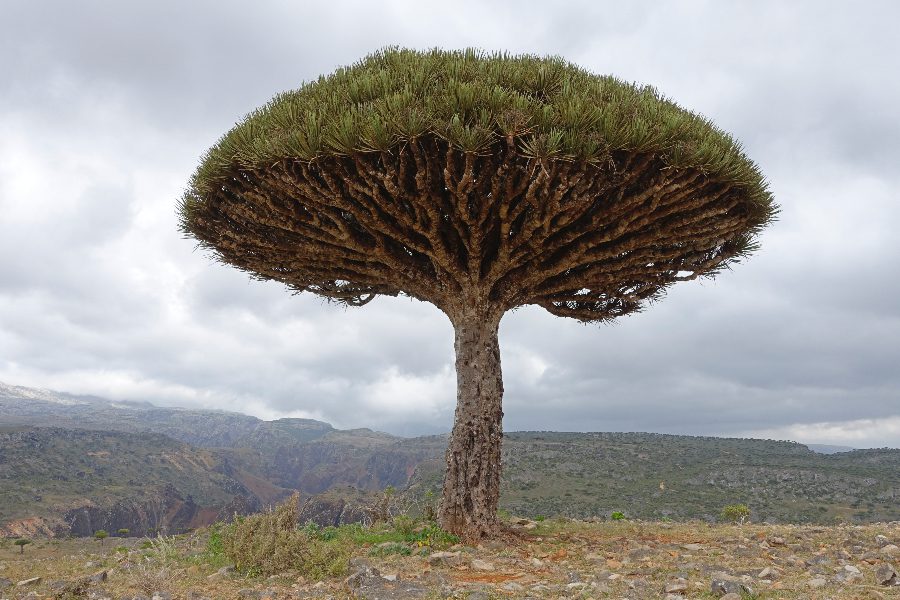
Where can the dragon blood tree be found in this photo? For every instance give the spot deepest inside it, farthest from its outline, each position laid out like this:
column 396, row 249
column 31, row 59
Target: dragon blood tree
column 477, row 183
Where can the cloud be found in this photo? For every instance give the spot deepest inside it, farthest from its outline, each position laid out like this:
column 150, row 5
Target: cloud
column 855, row 433
column 106, row 108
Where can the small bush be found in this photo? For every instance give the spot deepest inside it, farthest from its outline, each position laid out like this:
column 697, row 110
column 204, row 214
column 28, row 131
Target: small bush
column 617, row 516
column 149, row 579
column 270, row 543
column 391, row 548
column 165, row 548
column 429, row 509
column 215, row 549
column 434, row 537
column 735, row 513
column 404, row 525
column 73, row 590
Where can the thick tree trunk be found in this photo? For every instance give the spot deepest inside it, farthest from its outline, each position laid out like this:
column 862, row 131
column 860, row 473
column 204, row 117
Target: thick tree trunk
column 472, row 483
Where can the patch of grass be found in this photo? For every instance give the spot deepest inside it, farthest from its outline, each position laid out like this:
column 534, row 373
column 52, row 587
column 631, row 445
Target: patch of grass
column 270, row 543
column 164, row 548
column 405, row 530
column 215, row 547
column 389, row 548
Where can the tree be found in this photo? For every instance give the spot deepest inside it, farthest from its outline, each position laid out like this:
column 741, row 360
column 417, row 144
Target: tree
column 123, row 532
column 101, row 535
column 478, row 183
column 735, row 513
column 21, row 543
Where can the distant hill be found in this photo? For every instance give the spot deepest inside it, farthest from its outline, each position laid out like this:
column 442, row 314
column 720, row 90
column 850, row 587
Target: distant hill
column 826, row 449
column 205, row 428
column 108, row 465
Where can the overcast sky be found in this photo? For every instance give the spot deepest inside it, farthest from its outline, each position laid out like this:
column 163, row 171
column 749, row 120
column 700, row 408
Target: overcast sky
column 106, row 108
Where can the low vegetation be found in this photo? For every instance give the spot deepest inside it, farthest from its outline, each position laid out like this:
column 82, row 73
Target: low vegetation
column 271, row 556
column 735, row 513
column 269, row 543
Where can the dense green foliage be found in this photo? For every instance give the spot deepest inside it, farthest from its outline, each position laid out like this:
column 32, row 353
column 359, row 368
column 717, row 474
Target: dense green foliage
column 554, row 109
column 735, row 513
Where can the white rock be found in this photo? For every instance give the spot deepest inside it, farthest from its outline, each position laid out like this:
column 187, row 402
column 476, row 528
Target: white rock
column 768, row 573
column 692, row 547
column 436, row 558
column 481, row 565
column 816, row 583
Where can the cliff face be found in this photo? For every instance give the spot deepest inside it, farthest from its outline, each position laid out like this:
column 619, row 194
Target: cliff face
column 336, row 507
column 59, row 481
column 164, row 513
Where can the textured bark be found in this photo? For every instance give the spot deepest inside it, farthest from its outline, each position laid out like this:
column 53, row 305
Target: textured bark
column 472, row 483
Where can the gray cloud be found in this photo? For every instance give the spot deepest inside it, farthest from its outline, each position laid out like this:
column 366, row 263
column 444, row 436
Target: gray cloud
column 106, row 107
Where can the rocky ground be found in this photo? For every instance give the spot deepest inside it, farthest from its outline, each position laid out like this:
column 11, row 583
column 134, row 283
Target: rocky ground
column 551, row 559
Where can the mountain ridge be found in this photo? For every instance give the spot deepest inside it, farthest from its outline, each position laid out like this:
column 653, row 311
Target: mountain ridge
column 240, row 463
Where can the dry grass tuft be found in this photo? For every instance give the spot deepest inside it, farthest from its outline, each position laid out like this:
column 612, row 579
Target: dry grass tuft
column 270, row 543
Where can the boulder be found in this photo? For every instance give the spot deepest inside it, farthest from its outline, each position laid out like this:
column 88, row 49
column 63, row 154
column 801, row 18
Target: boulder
column 886, row 574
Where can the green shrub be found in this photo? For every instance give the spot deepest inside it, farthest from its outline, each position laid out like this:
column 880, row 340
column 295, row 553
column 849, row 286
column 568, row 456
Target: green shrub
column 433, row 536
column 735, row 513
column 539, row 518
column 404, row 525
column 270, row 543
column 617, row 516
column 391, row 548
column 214, row 546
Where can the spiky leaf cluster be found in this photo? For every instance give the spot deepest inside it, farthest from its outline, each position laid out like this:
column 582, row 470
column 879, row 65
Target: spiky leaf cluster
column 554, row 109
column 430, row 173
